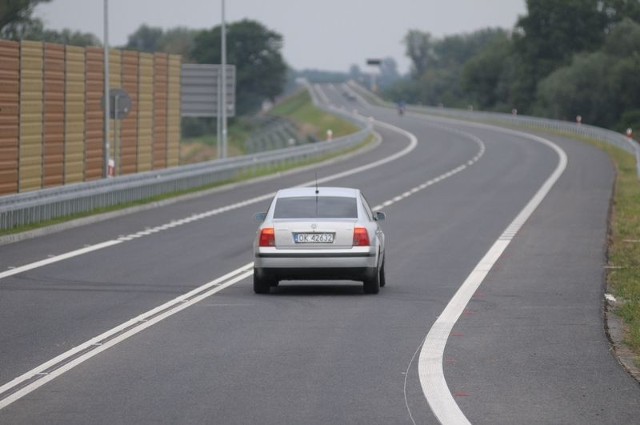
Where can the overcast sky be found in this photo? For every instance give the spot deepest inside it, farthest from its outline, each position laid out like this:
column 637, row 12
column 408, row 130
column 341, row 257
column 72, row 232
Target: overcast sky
column 319, row 34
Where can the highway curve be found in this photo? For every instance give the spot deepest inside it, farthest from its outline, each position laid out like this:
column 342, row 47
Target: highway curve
column 150, row 317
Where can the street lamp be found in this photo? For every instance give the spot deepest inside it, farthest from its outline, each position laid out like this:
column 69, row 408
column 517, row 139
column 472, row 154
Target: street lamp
column 223, row 77
column 107, row 105
column 376, row 63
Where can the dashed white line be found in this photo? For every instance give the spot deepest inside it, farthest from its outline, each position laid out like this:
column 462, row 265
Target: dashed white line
column 19, row 387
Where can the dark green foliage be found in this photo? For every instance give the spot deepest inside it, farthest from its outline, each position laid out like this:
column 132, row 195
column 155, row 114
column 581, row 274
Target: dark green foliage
column 438, row 67
column 563, row 59
column 177, row 41
column 15, row 17
column 255, row 51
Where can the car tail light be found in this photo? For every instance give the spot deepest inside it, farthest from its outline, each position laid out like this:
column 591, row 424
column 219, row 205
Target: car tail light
column 267, row 237
column 360, row 237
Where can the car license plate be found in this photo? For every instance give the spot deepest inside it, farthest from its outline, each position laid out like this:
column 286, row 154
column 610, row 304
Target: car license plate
column 313, row 237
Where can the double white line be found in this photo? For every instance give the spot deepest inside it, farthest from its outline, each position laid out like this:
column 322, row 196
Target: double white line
column 50, row 370
column 37, row 377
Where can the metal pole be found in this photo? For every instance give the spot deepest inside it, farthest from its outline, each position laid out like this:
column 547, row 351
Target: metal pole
column 224, row 84
column 116, row 137
column 107, row 105
column 219, row 118
column 638, row 160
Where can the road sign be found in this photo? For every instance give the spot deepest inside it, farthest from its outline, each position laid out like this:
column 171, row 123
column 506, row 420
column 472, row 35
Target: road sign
column 119, row 104
column 201, row 90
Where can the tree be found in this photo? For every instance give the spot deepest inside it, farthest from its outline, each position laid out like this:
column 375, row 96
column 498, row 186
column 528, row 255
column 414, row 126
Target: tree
column 15, row 17
column 255, row 51
column 484, row 75
column 177, row 41
column 602, row 87
column 419, row 48
column 145, row 39
column 579, row 89
column 37, row 32
column 438, row 64
column 553, row 31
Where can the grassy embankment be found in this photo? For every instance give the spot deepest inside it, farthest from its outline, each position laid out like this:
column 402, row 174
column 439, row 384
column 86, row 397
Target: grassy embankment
column 310, row 119
column 298, row 108
column 624, row 246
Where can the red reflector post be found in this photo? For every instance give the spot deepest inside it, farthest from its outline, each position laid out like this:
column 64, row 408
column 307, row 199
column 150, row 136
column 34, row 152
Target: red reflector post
column 267, row 237
column 360, row 237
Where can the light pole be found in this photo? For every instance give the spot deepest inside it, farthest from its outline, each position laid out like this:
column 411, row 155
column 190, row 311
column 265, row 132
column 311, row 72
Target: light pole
column 223, row 92
column 107, row 105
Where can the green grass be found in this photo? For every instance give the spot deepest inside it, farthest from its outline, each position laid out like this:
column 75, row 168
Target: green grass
column 623, row 278
column 624, row 246
column 310, row 119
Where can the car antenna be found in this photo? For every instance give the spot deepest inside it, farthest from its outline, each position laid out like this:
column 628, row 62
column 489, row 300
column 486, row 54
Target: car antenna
column 317, row 192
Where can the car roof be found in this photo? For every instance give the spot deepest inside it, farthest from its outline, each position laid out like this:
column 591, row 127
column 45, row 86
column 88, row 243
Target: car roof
column 322, row 191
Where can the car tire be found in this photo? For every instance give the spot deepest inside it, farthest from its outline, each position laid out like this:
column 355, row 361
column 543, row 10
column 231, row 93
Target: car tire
column 383, row 277
column 372, row 285
column 260, row 284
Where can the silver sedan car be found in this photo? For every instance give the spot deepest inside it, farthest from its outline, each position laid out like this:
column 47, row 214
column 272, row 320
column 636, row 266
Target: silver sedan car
column 319, row 233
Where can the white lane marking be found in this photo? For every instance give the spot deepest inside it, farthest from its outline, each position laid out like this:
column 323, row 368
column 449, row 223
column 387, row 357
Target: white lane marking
column 416, row 189
column 430, row 363
column 175, row 223
column 57, row 258
column 83, row 352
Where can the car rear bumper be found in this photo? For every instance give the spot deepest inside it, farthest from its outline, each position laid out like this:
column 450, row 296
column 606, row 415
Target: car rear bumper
column 305, row 265
column 344, row 273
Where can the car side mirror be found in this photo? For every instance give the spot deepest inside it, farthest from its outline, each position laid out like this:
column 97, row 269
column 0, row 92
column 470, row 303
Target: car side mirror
column 260, row 217
column 380, row 216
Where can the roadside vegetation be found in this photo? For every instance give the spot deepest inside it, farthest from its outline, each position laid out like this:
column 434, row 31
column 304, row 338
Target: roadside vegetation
column 624, row 247
column 311, row 120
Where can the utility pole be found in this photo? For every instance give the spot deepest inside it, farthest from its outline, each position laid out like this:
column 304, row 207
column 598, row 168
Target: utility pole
column 223, row 74
column 107, row 104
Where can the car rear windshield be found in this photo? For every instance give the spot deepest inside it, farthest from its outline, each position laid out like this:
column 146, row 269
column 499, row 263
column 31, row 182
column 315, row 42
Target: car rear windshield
column 316, row 207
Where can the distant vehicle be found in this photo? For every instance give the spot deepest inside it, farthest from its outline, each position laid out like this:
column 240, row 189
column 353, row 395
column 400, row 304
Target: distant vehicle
column 323, row 233
column 350, row 96
column 401, row 108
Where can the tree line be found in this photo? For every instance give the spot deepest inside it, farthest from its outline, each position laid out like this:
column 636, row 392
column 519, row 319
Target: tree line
column 562, row 59
column 261, row 72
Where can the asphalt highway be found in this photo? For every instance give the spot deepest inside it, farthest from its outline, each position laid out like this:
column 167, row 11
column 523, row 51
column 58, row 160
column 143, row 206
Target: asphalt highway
column 150, row 317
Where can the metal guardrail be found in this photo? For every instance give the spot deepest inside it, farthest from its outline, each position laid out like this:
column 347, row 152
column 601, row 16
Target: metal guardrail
column 607, row 136
column 48, row 204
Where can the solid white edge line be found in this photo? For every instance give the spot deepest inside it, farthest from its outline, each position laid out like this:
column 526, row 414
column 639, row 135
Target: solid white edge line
column 430, row 363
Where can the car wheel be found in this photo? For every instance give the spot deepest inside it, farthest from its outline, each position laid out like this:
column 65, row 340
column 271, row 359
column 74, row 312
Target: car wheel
column 260, row 285
column 383, row 277
column 372, row 285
